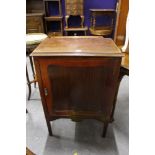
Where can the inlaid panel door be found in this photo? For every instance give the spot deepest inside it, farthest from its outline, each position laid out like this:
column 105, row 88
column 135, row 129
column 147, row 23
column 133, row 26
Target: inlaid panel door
column 79, row 86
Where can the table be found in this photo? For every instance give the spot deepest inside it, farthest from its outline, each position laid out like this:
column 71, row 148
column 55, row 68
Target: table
column 78, row 78
column 105, row 29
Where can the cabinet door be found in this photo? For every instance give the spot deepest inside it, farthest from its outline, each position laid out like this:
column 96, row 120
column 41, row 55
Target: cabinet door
column 83, row 86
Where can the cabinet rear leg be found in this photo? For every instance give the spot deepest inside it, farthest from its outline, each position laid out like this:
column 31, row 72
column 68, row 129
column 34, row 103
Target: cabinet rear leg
column 105, row 129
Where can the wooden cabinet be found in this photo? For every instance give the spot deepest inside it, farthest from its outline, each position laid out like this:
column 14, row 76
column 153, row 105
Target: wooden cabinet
column 34, row 23
column 53, row 17
column 77, row 79
column 34, row 16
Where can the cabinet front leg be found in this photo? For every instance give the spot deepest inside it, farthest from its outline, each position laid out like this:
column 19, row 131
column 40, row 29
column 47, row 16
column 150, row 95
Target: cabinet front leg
column 105, row 129
column 49, row 127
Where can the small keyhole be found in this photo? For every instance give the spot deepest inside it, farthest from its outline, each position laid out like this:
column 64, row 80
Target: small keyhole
column 45, row 91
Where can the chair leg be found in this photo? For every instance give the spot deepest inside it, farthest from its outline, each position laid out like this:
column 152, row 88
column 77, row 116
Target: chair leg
column 32, row 67
column 29, row 96
column 28, row 83
column 105, row 129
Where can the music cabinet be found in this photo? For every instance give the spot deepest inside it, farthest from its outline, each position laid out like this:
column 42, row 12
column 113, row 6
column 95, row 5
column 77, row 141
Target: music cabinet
column 77, row 78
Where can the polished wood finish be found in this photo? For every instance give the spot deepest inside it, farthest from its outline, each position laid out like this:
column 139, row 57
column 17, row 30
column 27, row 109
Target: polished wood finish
column 77, row 46
column 77, row 79
column 120, row 30
column 104, row 30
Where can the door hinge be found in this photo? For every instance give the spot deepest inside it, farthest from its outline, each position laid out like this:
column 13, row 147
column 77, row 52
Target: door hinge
column 45, row 91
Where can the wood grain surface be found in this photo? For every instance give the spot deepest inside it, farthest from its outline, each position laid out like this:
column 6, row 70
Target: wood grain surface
column 77, row 46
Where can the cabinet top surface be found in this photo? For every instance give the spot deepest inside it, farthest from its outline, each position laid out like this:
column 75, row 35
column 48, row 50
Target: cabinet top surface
column 77, row 46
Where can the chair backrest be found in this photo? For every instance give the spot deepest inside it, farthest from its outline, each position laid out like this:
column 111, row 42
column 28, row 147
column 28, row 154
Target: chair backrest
column 74, row 7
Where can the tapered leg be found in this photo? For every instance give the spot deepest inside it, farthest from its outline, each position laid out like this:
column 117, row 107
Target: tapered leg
column 105, row 129
column 29, row 96
column 28, row 83
column 31, row 62
column 49, row 127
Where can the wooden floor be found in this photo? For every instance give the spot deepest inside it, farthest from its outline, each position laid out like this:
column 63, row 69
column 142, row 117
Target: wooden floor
column 28, row 152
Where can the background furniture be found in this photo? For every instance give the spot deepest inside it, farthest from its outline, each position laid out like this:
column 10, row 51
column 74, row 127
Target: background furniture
column 124, row 70
column 32, row 41
column 106, row 28
column 120, row 28
column 34, row 16
column 53, row 17
column 77, row 79
column 125, row 65
column 34, row 23
column 74, row 8
column 35, row 10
